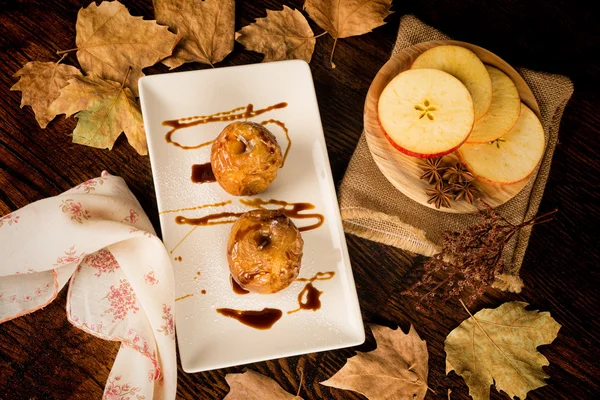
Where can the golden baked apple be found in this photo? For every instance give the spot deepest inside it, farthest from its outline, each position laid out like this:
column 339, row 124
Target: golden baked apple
column 264, row 251
column 245, row 158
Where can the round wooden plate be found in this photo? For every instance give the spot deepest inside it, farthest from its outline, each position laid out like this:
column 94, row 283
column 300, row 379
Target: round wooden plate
column 404, row 171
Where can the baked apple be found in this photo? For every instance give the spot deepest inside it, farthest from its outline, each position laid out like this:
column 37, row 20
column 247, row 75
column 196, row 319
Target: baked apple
column 264, row 251
column 245, row 158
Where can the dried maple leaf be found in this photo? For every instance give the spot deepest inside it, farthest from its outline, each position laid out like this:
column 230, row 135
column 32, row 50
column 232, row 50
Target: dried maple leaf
column 110, row 41
column 344, row 18
column 251, row 385
column 40, row 84
column 498, row 346
column 281, row 35
column 397, row 369
column 206, row 28
column 108, row 107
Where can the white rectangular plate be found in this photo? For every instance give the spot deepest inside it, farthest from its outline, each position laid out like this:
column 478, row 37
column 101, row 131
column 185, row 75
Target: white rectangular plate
column 208, row 340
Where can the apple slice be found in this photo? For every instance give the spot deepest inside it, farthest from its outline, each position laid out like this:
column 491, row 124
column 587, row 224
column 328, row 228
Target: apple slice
column 503, row 112
column 467, row 67
column 425, row 112
column 511, row 158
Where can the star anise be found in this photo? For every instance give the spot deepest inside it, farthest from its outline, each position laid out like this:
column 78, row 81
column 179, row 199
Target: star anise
column 464, row 191
column 440, row 195
column 433, row 170
column 458, row 174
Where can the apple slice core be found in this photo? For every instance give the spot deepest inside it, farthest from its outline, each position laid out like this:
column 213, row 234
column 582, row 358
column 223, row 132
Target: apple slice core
column 511, row 158
column 503, row 112
column 425, row 112
column 463, row 64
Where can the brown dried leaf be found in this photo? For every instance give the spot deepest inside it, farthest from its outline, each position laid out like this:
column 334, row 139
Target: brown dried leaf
column 344, row 18
column 40, row 84
column 108, row 109
column 251, row 385
column 206, row 28
column 396, row 369
column 281, row 35
column 110, row 41
column 499, row 346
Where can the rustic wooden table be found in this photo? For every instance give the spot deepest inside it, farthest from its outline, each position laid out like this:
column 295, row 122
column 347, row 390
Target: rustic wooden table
column 43, row 357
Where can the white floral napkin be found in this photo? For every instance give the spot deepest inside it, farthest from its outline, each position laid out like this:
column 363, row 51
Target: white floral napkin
column 121, row 279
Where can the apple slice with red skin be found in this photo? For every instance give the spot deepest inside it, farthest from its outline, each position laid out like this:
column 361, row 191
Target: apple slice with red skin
column 511, row 158
column 503, row 112
column 425, row 113
column 464, row 65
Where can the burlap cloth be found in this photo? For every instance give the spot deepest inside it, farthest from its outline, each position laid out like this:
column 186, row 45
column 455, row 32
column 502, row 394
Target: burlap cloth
column 372, row 208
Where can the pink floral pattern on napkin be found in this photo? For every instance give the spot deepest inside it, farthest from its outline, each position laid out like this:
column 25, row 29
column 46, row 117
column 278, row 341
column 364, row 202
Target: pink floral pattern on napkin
column 39, row 292
column 70, row 257
column 150, row 279
column 106, row 268
column 116, row 391
column 90, row 186
column 75, row 209
column 103, row 261
column 132, row 218
column 122, row 301
column 169, row 327
column 9, row 219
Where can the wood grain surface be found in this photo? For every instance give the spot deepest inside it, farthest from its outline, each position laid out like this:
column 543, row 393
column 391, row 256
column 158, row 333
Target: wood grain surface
column 43, row 357
column 403, row 171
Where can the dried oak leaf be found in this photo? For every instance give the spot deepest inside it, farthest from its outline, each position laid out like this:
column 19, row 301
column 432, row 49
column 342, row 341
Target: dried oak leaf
column 344, row 18
column 281, row 35
column 499, row 346
column 206, row 28
column 396, row 369
column 40, row 84
column 251, row 385
column 108, row 109
column 110, row 41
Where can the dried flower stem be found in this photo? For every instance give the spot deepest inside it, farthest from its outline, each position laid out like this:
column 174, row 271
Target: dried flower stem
column 470, row 259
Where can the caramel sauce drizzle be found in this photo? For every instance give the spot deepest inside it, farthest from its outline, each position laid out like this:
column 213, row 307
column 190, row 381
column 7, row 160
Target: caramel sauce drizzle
column 203, row 173
column 208, row 217
column 184, row 297
column 197, row 207
column 230, row 217
column 224, row 116
column 203, row 291
column 183, row 239
column 294, row 212
column 237, row 289
column 287, row 136
column 211, row 219
column 263, row 319
column 313, row 301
